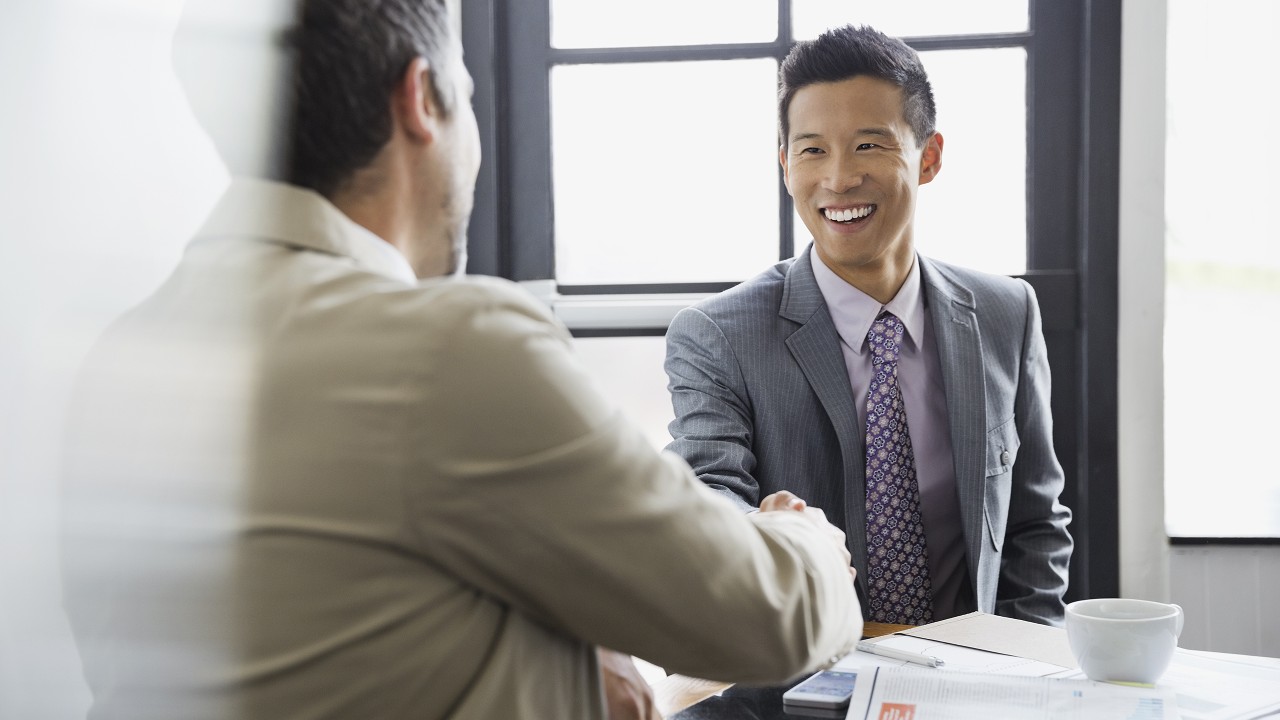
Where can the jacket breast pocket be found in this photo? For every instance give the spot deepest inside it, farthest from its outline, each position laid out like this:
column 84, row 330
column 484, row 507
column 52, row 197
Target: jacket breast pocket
column 1002, row 452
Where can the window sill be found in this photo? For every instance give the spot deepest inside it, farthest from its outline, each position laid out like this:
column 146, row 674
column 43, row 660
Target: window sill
column 1185, row 541
column 585, row 315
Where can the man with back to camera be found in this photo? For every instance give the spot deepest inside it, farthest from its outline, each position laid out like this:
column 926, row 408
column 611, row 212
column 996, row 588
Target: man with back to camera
column 303, row 483
column 786, row 380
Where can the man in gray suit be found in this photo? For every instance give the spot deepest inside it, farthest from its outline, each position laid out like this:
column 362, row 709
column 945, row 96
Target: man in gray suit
column 771, row 380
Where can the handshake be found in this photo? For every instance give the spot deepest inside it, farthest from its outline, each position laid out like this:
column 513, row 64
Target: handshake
column 783, row 501
column 627, row 695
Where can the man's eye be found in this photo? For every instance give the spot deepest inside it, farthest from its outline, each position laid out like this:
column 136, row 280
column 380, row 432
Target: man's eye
column 867, row 146
column 810, row 151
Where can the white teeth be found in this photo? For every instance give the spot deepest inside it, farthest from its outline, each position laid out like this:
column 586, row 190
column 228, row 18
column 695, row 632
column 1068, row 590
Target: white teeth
column 847, row 214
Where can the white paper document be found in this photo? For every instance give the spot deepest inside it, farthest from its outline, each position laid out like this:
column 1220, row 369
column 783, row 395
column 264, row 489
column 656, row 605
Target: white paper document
column 997, row 634
column 1214, row 686
column 954, row 657
column 910, row 693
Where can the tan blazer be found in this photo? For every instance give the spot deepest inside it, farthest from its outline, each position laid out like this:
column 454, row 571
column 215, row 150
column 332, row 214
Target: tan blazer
column 304, row 485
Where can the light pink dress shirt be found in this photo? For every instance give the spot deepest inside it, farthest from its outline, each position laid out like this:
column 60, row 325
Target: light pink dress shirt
column 920, row 377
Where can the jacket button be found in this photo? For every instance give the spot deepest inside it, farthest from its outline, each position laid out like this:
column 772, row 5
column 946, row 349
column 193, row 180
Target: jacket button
column 1004, row 458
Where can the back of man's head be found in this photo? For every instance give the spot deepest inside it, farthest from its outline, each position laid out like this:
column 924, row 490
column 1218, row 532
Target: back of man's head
column 845, row 52
column 348, row 56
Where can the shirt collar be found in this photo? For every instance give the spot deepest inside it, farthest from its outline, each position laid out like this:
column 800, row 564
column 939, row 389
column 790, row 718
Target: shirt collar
column 292, row 215
column 853, row 311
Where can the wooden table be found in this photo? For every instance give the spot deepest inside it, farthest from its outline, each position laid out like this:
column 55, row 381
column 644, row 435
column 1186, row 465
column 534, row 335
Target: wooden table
column 677, row 692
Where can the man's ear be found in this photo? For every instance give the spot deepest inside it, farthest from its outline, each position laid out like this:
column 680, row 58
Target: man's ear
column 931, row 158
column 413, row 104
column 786, row 171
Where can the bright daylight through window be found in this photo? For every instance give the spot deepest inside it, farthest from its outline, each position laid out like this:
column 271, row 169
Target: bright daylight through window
column 665, row 172
column 1222, row 339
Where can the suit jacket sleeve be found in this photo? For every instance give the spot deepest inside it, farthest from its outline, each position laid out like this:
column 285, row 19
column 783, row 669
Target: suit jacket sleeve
column 1037, row 546
column 712, row 429
column 529, row 485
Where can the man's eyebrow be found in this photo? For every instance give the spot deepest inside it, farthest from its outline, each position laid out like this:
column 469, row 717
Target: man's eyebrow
column 876, row 131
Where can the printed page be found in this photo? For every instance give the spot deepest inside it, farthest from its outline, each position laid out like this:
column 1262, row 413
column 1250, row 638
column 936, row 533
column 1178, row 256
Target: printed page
column 922, row 694
column 1216, row 686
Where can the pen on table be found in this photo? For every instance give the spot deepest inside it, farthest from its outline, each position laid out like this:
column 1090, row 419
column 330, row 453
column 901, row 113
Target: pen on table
column 896, row 654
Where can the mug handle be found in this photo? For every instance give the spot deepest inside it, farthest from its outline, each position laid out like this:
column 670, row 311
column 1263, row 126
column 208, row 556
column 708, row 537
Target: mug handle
column 1181, row 617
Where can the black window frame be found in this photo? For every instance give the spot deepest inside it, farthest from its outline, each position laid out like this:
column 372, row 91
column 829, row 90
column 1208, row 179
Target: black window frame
column 1073, row 110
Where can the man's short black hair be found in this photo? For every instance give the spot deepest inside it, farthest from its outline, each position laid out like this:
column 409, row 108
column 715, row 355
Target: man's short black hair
column 845, row 52
column 348, row 57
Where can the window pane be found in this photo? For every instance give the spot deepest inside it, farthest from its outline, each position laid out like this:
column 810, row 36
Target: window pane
column 910, row 18
column 615, row 23
column 974, row 212
column 1222, row 292
column 629, row 372
column 664, row 172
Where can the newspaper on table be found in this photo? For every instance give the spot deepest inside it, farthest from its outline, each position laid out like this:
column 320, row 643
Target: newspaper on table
column 1203, row 685
column 910, row 693
column 1218, row 686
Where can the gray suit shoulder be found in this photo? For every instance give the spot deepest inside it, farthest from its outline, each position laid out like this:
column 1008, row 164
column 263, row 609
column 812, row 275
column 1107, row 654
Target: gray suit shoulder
column 753, row 300
column 986, row 288
column 975, row 279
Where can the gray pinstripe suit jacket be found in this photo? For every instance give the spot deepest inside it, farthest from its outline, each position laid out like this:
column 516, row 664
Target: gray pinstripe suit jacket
column 762, row 403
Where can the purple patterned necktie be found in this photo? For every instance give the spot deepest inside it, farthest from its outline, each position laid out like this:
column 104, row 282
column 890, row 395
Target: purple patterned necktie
column 898, row 585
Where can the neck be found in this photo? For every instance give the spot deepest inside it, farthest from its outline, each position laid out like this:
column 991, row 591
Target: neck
column 369, row 201
column 385, row 199
column 881, row 281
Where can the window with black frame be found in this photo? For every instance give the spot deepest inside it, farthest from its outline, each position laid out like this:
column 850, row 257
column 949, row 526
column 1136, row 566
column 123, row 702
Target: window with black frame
column 631, row 168
column 697, row 138
column 658, row 166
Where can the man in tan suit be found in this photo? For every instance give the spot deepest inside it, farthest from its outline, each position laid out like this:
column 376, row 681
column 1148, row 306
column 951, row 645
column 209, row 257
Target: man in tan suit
column 317, row 474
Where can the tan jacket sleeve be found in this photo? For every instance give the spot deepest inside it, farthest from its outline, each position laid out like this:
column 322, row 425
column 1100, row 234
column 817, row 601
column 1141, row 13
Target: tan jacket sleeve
column 526, row 483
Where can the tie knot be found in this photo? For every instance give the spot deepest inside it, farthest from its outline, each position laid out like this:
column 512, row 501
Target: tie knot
column 885, row 338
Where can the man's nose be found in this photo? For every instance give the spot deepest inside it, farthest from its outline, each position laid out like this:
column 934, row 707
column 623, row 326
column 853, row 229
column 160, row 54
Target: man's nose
column 845, row 174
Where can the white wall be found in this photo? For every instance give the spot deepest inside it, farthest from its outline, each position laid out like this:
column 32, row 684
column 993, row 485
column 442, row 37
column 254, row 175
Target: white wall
column 1227, row 591
column 1228, row 594
column 1144, row 562
column 104, row 174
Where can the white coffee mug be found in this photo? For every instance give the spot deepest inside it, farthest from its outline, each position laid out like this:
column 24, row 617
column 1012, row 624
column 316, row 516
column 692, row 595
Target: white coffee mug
column 1123, row 640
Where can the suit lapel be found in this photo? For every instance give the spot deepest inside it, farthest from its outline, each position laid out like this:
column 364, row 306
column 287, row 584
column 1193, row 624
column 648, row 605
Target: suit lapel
column 816, row 349
column 955, row 325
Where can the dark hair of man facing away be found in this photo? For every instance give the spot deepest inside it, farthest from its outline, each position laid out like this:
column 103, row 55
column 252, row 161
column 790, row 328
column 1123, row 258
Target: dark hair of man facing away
column 349, row 55
column 845, row 52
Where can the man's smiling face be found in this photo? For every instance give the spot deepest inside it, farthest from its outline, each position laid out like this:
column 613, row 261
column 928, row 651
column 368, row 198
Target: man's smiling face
column 853, row 167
